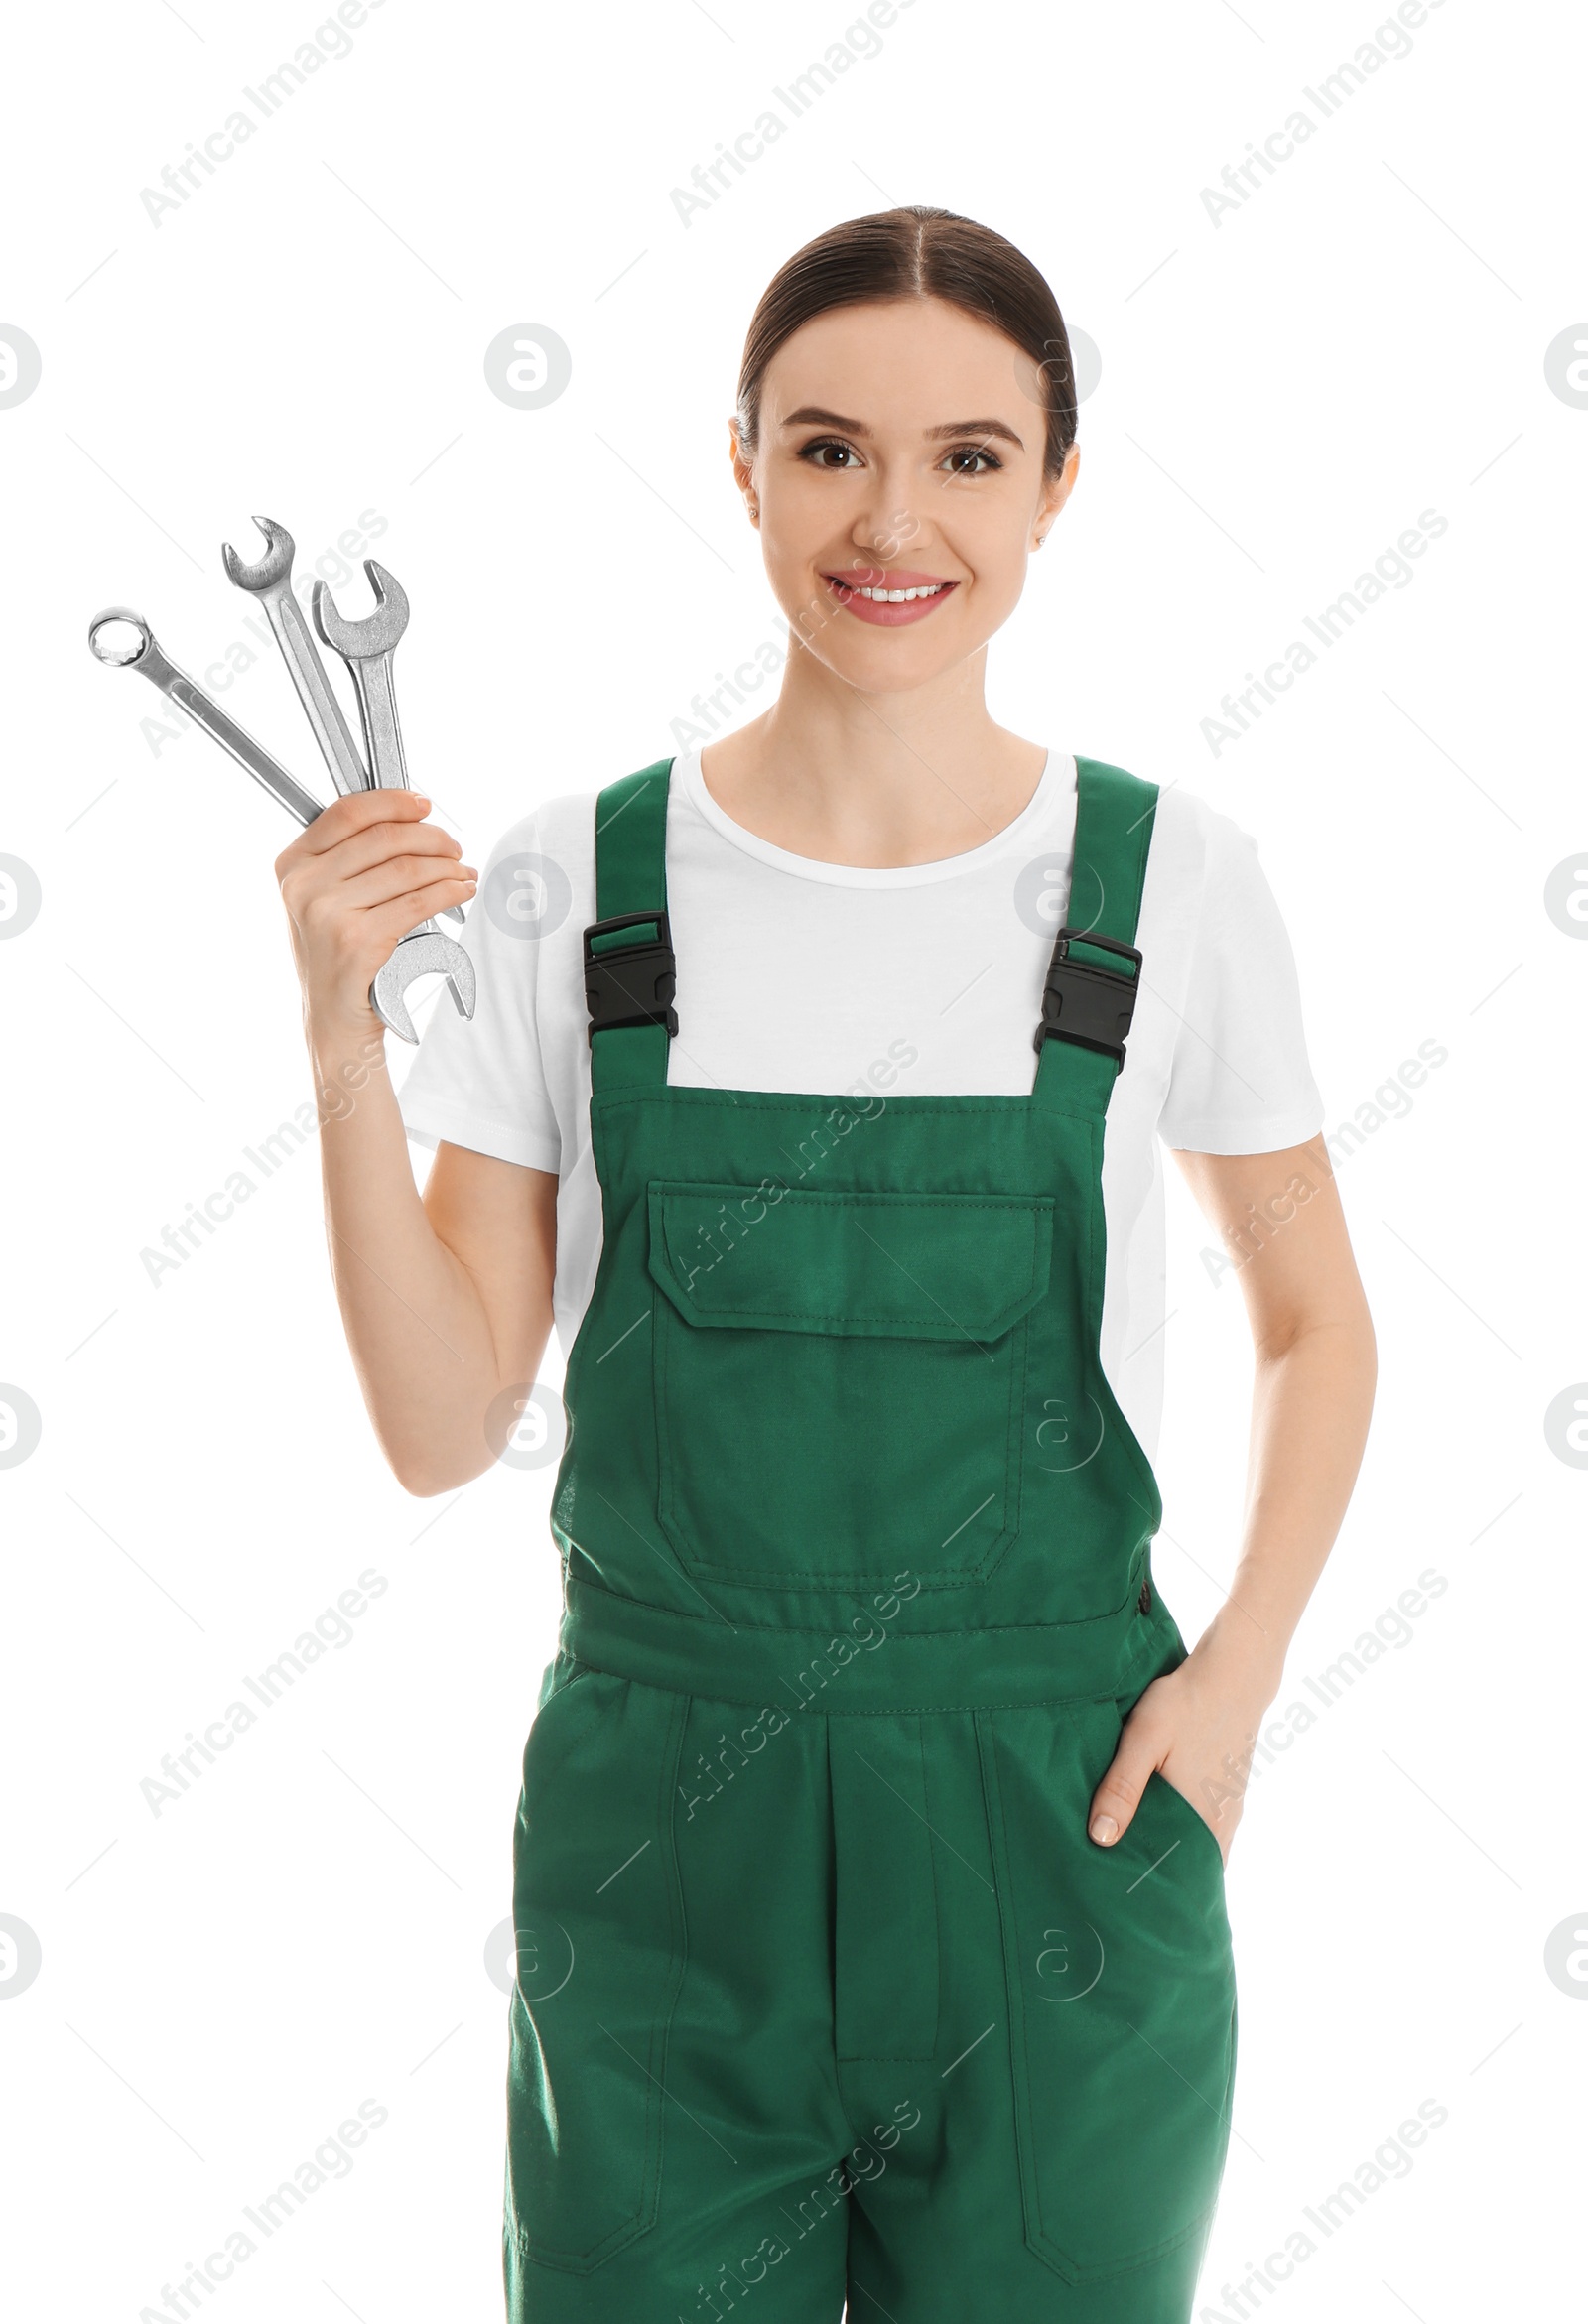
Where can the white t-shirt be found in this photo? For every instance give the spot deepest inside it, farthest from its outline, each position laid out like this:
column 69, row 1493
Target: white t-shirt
column 824, row 978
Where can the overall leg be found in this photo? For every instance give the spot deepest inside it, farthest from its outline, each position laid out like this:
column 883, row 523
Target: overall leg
column 1059, row 2149
column 675, row 2130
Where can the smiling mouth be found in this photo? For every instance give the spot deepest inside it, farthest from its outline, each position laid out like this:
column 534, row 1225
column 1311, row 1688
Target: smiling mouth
column 885, row 597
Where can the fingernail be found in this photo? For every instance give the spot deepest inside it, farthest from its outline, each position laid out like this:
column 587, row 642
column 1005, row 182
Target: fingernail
column 1103, row 1829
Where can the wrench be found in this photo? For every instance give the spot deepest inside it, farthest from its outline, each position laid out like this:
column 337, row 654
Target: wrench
column 367, row 648
column 270, row 581
column 147, row 659
column 145, row 656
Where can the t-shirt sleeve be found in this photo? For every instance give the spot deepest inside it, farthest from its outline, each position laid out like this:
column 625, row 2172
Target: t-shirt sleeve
column 1241, row 1082
column 482, row 1082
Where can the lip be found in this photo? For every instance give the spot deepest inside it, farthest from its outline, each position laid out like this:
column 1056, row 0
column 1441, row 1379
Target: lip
column 847, row 587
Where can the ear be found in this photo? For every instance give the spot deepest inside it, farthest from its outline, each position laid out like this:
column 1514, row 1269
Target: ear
column 744, row 470
column 1055, row 492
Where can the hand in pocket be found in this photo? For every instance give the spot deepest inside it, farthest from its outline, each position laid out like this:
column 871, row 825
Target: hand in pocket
column 1196, row 1726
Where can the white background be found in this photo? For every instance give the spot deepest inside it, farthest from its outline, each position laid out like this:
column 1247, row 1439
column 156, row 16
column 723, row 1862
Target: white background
column 1282, row 393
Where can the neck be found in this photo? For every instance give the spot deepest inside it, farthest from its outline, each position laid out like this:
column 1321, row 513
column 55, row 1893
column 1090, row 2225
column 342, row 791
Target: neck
column 873, row 779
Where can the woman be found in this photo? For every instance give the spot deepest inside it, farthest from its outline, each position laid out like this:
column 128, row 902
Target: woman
column 870, row 1860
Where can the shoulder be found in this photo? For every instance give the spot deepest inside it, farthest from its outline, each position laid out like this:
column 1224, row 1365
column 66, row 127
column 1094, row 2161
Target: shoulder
column 554, row 844
column 1209, row 917
column 1201, row 860
column 562, row 828
column 1190, row 828
column 1239, row 1079
column 542, row 870
column 1188, row 833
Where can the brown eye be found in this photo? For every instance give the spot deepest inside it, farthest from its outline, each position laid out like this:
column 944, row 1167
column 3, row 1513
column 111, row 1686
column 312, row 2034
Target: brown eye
column 823, row 444
column 975, row 452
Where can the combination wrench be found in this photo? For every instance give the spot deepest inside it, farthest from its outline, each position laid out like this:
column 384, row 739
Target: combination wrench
column 367, row 648
column 145, row 656
column 270, row 581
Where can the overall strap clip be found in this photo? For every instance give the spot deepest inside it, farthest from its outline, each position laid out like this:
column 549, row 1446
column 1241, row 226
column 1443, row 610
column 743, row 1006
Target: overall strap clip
column 1085, row 1003
column 634, row 983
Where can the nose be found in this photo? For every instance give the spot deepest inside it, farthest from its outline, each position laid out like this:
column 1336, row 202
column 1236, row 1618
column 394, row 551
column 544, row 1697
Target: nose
column 882, row 533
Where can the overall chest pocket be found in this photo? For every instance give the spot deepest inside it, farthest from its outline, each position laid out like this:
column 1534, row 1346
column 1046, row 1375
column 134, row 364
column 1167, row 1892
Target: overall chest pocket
column 840, row 1378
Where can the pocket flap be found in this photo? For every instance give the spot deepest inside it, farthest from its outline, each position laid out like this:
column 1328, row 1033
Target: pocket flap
column 868, row 1265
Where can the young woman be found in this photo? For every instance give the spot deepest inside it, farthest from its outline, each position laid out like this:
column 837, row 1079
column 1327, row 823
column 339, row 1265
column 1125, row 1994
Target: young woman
column 869, row 1858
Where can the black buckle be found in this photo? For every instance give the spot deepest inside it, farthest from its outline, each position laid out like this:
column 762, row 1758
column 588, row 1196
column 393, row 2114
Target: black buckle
column 630, row 983
column 1090, row 1006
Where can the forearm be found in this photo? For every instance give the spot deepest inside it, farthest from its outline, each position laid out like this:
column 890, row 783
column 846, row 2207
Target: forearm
column 416, row 1325
column 1311, row 1402
column 1198, row 1724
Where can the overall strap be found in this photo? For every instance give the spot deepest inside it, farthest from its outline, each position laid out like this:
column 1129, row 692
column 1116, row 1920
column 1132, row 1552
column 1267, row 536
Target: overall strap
column 629, row 970
column 1091, row 988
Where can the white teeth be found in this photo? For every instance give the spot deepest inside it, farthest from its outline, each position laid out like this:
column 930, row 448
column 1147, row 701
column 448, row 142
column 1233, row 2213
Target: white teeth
column 899, row 596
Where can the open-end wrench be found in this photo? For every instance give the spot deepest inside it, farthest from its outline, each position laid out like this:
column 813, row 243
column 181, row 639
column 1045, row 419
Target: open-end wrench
column 146, row 656
column 367, row 648
column 270, row 581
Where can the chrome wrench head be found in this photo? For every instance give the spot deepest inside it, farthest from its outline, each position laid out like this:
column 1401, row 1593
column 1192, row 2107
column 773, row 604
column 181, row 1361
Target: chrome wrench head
column 269, row 584
column 426, row 952
column 103, row 652
column 367, row 647
column 271, row 569
column 378, row 633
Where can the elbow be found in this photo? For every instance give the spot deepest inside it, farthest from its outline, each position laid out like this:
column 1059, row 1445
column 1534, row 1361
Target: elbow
column 423, row 1484
column 1348, row 1329
column 426, row 1470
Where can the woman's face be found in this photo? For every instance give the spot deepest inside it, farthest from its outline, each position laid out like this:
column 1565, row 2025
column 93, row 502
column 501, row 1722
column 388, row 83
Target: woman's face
column 902, row 449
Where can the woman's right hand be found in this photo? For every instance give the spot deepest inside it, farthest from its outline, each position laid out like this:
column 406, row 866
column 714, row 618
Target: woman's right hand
column 356, row 880
column 447, row 1297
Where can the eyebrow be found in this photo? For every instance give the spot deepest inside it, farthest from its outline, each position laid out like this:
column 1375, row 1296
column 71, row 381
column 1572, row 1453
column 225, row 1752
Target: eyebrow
column 812, row 415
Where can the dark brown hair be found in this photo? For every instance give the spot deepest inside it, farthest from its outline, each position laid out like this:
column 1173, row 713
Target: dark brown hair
column 916, row 252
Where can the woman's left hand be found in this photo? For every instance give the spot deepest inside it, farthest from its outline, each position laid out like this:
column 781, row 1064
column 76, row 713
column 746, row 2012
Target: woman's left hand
column 1197, row 1726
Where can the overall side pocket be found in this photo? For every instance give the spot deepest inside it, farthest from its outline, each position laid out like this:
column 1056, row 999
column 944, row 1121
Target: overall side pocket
column 1120, row 1984
column 598, row 1913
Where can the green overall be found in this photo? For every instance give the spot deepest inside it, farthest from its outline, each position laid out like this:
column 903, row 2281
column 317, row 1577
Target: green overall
column 823, row 1990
